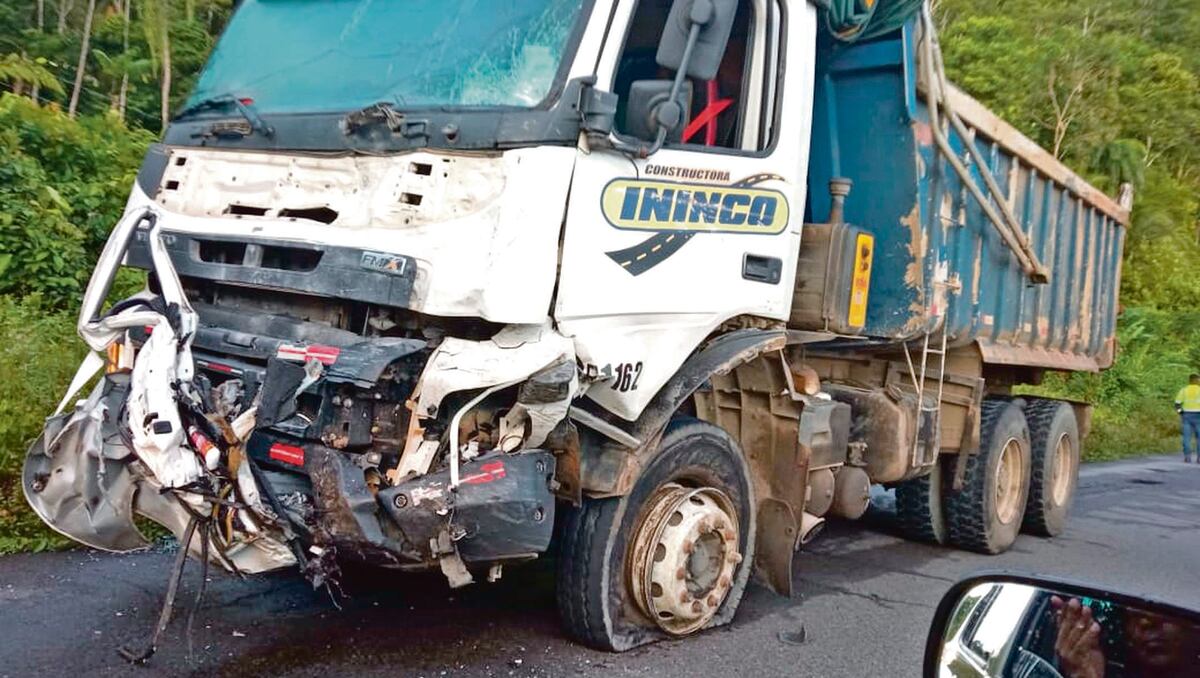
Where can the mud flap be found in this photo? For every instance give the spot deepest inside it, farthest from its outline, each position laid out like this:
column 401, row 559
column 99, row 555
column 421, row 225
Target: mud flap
column 777, row 533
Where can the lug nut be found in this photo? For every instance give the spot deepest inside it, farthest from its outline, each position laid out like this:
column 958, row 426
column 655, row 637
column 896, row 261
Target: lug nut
column 735, row 558
column 689, row 547
column 697, row 608
column 712, row 600
column 400, row 501
column 681, row 574
column 685, row 597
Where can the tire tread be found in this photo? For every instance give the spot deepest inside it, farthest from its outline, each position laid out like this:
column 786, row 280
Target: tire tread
column 1040, row 414
column 917, row 512
column 965, row 520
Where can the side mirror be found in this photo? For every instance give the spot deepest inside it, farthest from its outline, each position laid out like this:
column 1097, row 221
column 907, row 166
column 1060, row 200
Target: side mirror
column 693, row 43
column 645, row 107
column 1001, row 624
column 713, row 20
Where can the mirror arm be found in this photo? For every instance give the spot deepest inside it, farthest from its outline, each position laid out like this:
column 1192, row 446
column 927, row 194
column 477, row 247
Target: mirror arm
column 640, row 150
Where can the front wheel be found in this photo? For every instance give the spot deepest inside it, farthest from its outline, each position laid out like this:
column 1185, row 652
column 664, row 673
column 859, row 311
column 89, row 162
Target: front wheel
column 670, row 558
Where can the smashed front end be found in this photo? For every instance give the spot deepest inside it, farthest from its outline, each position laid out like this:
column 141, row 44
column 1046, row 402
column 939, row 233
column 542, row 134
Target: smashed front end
column 268, row 428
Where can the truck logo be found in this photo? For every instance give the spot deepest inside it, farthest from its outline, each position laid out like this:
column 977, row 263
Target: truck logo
column 384, row 263
column 676, row 211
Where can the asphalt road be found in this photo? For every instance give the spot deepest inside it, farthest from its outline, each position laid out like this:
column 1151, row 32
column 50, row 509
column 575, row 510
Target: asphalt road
column 864, row 605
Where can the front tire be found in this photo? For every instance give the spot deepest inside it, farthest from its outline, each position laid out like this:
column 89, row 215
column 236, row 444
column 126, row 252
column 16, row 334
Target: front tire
column 985, row 516
column 689, row 513
column 1054, row 435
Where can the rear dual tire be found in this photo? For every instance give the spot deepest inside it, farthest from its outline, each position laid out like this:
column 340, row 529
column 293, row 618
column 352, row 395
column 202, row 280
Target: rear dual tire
column 1022, row 479
column 1054, row 436
column 985, row 516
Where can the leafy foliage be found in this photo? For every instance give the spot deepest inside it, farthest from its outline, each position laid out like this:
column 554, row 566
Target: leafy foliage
column 39, row 352
column 1112, row 87
column 63, row 184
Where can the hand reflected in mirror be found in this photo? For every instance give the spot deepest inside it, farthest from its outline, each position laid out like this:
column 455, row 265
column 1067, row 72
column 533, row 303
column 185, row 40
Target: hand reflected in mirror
column 1077, row 643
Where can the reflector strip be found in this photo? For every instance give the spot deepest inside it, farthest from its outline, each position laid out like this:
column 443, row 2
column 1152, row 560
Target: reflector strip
column 864, row 250
column 217, row 367
column 487, row 473
column 288, row 454
column 326, row 355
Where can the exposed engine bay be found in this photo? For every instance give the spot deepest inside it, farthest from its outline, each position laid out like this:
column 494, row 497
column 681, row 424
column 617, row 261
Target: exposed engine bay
column 270, row 429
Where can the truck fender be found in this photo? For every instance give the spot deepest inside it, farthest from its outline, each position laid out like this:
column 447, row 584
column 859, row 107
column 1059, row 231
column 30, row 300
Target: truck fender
column 613, row 472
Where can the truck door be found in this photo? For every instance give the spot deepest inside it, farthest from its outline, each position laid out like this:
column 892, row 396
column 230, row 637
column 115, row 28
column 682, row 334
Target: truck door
column 658, row 252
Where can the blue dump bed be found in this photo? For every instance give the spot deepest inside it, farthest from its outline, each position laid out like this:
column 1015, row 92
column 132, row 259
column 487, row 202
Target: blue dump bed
column 939, row 257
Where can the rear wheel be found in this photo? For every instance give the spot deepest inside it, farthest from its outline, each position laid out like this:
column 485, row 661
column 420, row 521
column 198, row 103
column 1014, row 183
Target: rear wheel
column 670, row 558
column 1054, row 438
column 985, row 516
column 919, row 507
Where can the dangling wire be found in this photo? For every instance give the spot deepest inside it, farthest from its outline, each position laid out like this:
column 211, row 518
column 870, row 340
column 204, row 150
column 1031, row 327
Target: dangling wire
column 164, row 617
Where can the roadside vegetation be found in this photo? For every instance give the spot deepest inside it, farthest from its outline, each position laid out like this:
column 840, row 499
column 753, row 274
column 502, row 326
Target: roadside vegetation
column 1111, row 87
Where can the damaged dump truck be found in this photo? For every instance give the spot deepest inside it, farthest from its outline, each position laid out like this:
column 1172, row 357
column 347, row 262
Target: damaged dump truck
column 658, row 284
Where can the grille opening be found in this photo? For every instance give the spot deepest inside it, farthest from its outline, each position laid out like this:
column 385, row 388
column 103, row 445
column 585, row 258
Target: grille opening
column 221, row 252
column 411, row 198
column 246, row 210
column 324, row 215
column 289, row 258
column 423, row 168
column 172, row 185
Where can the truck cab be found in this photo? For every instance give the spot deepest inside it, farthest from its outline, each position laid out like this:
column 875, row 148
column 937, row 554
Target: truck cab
column 661, row 283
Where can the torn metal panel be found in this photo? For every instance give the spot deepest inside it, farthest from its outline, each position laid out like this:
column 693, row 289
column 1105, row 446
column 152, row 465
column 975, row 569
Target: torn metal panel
column 504, row 507
column 543, row 402
column 154, row 424
column 79, row 484
column 515, row 353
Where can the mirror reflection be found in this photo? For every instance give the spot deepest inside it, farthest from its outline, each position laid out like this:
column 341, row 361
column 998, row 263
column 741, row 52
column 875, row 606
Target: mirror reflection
column 1020, row 631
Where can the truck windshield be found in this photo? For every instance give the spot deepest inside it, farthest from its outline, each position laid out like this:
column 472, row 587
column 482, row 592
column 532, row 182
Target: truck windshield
column 293, row 56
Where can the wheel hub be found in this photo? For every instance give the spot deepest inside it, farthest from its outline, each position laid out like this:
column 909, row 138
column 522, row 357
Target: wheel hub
column 1061, row 486
column 684, row 555
column 1009, row 476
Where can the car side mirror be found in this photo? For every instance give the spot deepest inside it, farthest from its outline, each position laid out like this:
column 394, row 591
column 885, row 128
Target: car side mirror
column 1002, row 624
column 712, row 21
column 644, row 109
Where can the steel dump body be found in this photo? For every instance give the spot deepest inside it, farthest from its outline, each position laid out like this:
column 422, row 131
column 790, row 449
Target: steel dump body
column 937, row 253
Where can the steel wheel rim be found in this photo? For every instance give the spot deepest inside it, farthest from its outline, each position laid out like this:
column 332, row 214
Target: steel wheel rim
column 684, row 553
column 1008, row 482
column 1061, row 486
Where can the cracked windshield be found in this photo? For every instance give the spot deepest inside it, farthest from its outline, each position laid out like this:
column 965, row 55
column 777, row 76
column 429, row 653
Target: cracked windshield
column 345, row 54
